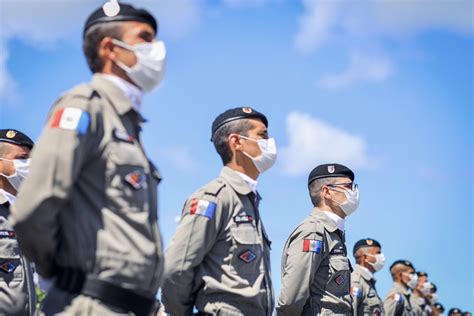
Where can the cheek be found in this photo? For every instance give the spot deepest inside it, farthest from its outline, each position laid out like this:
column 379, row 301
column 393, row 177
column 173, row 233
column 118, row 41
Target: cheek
column 127, row 57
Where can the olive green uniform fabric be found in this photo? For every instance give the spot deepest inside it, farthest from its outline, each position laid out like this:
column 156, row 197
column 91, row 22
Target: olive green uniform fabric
column 315, row 282
column 220, row 263
column 90, row 200
column 366, row 300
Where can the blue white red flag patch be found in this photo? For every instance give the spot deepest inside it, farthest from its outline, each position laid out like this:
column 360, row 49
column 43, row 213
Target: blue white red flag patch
column 7, row 234
column 71, row 119
column 312, row 245
column 203, row 208
column 397, row 297
column 355, row 291
column 243, row 218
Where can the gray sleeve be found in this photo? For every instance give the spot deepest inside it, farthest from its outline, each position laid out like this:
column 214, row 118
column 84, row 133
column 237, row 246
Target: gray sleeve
column 393, row 305
column 297, row 272
column 358, row 297
column 194, row 238
column 57, row 159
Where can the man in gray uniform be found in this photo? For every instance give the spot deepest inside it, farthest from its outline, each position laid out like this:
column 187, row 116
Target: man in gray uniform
column 17, row 291
column 404, row 278
column 219, row 258
column 315, row 268
column 419, row 299
column 369, row 259
column 87, row 213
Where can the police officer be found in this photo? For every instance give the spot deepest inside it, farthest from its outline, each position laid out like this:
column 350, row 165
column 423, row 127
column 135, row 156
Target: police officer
column 315, row 268
column 454, row 312
column 419, row 299
column 438, row 309
column 369, row 259
column 404, row 278
column 219, row 258
column 17, row 290
column 87, row 213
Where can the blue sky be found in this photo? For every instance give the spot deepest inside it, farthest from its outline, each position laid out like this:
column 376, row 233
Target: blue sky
column 385, row 87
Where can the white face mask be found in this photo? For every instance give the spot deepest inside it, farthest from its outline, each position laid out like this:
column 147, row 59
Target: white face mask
column 413, row 281
column 352, row 200
column 433, row 298
column 379, row 261
column 149, row 70
column 8, row 196
column 426, row 288
column 22, row 168
column 268, row 153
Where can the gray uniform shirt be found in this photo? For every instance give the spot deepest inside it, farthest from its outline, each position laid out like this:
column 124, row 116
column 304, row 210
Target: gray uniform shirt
column 315, row 270
column 219, row 257
column 420, row 305
column 365, row 300
column 17, row 290
column 397, row 301
column 90, row 199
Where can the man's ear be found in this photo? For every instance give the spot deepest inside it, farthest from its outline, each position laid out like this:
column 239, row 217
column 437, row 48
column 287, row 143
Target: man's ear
column 234, row 142
column 106, row 50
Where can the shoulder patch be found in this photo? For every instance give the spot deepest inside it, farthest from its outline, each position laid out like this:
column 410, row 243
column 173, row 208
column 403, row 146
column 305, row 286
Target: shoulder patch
column 356, row 291
column 202, row 208
column 397, row 297
column 312, row 245
column 71, row 119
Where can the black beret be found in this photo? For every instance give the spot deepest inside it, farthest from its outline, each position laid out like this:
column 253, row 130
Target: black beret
column 422, row 274
column 126, row 13
column 368, row 242
column 434, row 288
column 16, row 137
column 237, row 114
column 330, row 170
column 454, row 310
column 403, row 262
column 439, row 306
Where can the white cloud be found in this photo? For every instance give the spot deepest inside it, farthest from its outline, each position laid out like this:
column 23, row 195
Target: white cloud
column 362, row 68
column 43, row 24
column 313, row 142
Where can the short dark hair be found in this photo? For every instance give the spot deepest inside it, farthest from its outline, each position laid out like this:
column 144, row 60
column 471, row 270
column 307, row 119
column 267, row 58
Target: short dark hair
column 92, row 38
column 221, row 137
column 315, row 188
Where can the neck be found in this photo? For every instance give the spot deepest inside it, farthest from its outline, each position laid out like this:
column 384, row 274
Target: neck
column 240, row 168
column 110, row 68
column 244, row 164
column 5, row 185
column 327, row 208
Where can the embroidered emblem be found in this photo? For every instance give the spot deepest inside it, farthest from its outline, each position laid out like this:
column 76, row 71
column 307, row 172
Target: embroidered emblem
column 71, row 119
column 243, row 218
column 247, row 256
column 247, row 110
column 7, row 266
column 312, row 245
column 203, row 208
column 7, row 234
column 11, row 134
column 331, row 169
column 135, row 179
column 340, row 280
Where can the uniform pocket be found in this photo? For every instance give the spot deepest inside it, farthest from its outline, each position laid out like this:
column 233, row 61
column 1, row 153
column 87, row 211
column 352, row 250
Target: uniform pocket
column 127, row 184
column 339, row 282
column 247, row 254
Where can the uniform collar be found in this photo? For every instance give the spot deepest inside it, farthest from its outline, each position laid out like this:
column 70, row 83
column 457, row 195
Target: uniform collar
column 365, row 273
column 235, row 180
column 400, row 288
column 133, row 93
column 327, row 222
column 251, row 182
column 114, row 94
column 6, row 197
column 339, row 221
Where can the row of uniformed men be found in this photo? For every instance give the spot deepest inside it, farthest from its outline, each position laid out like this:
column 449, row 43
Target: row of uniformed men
column 86, row 215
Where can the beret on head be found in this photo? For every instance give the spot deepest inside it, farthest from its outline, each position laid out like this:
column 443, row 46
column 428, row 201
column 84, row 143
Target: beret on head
column 16, row 137
column 406, row 263
column 330, row 170
column 368, row 242
column 126, row 12
column 237, row 114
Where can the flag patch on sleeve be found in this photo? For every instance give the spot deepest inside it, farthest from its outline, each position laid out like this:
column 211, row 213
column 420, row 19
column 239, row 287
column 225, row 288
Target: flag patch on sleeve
column 71, row 119
column 203, row 208
column 355, row 291
column 312, row 245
